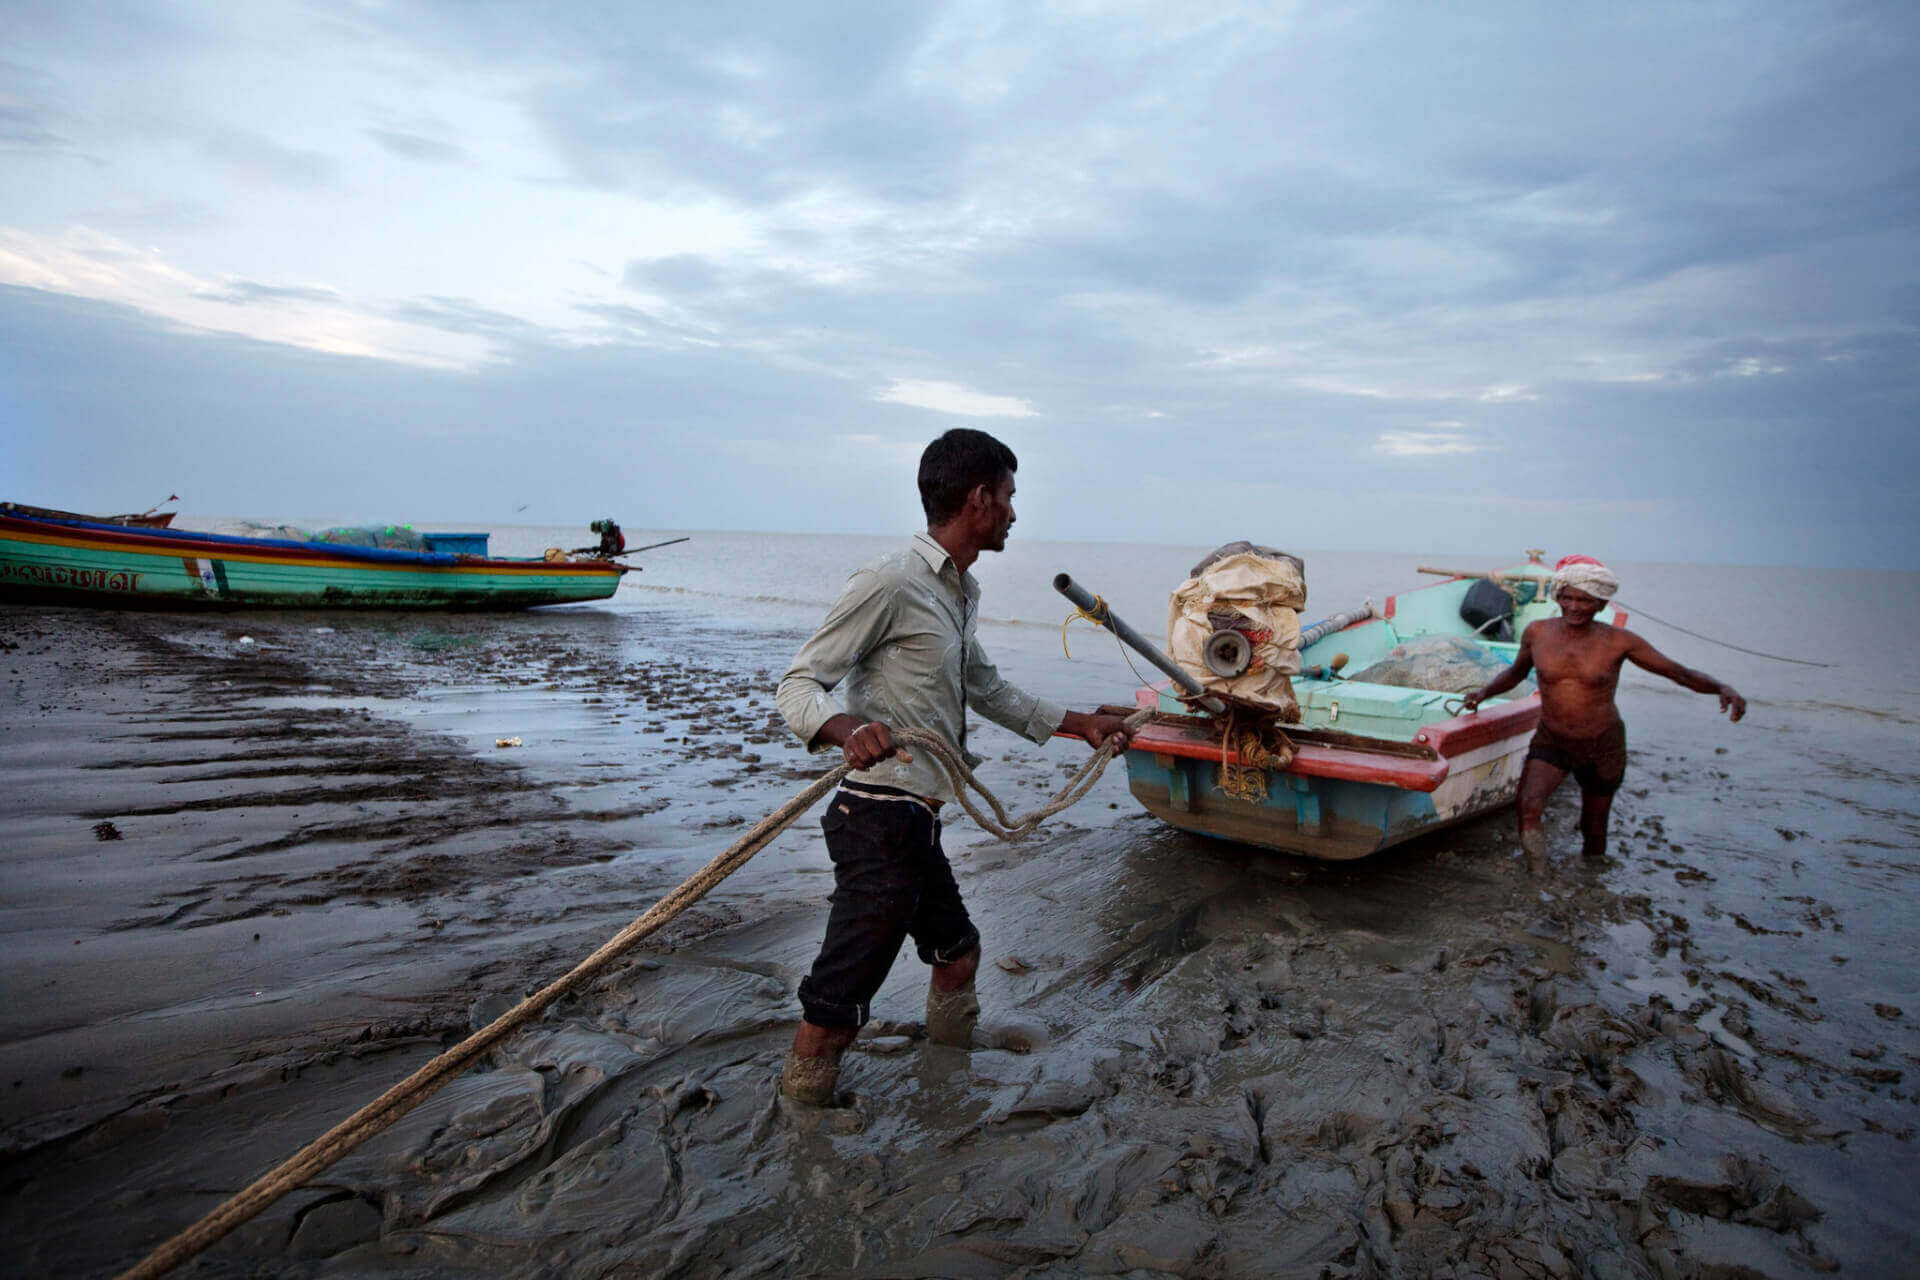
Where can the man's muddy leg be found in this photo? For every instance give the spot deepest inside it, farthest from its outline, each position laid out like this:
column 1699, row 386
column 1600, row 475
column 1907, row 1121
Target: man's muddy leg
column 1537, row 781
column 1594, row 811
column 952, row 1007
column 813, row 1064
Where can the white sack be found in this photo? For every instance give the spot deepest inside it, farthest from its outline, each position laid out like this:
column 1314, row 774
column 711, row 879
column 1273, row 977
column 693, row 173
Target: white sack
column 1266, row 596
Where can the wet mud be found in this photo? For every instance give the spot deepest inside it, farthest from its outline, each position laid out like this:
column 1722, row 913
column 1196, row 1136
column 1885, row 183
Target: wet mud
column 1689, row 1059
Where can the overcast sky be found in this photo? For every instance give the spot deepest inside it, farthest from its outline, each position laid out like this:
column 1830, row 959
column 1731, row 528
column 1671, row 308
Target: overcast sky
column 1641, row 280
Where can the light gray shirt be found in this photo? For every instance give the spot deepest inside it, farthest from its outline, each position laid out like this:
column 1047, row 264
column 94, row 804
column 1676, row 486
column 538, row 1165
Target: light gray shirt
column 901, row 638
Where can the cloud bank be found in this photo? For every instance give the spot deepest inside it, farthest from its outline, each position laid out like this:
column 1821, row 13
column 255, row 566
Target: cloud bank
column 1391, row 268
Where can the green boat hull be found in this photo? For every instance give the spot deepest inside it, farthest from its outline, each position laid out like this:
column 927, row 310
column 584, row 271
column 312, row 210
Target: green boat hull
column 110, row 566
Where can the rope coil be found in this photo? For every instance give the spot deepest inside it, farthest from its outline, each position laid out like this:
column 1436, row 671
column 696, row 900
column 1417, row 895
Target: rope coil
column 1247, row 780
column 384, row 1110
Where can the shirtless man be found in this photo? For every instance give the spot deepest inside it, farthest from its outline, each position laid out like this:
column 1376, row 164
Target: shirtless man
column 1580, row 728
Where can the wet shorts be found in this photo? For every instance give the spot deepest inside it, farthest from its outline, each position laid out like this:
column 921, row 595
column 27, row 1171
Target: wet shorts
column 891, row 881
column 1597, row 764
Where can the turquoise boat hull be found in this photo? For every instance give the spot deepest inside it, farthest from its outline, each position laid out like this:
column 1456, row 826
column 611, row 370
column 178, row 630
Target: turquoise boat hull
column 1375, row 764
column 108, row 565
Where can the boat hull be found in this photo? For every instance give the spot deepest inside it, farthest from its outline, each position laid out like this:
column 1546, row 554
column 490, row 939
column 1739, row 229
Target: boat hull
column 1325, row 816
column 1336, row 801
column 110, row 566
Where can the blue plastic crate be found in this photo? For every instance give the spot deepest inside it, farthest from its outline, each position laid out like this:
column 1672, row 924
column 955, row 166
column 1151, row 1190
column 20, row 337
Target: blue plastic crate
column 459, row 544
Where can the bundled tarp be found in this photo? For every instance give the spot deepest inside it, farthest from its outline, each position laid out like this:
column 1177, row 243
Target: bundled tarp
column 1446, row 664
column 1256, row 593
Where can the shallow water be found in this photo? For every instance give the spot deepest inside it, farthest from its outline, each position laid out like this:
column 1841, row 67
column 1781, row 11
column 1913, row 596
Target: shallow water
column 1691, row 1056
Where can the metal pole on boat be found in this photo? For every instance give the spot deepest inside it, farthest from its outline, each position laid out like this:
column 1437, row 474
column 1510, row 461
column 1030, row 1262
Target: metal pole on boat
column 630, row 551
column 1338, row 622
column 1097, row 609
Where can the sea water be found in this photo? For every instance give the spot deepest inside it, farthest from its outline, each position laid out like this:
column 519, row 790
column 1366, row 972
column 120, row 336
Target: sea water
column 1853, row 624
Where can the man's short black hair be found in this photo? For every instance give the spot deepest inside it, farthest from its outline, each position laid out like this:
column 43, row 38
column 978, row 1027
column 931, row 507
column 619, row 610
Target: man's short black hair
column 954, row 464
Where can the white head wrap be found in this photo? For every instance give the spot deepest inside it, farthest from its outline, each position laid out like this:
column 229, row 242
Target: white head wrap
column 1596, row 580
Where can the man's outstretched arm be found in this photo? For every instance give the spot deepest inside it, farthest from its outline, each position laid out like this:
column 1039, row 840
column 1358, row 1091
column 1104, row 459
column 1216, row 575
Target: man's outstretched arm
column 1645, row 656
column 1520, row 669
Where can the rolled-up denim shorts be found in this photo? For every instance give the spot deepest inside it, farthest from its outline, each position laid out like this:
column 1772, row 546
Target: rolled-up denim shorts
column 891, row 881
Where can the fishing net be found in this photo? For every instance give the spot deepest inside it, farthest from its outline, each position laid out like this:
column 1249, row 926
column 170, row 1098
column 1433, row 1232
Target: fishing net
column 262, row 529
column 1234, row 626
column 389, row 537
column 1446, row 664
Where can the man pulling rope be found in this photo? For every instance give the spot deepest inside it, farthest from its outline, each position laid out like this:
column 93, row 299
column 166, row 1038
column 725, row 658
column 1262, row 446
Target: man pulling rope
column 900, row 644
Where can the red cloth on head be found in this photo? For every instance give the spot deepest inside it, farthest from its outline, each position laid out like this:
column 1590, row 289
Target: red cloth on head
column 1567, row 560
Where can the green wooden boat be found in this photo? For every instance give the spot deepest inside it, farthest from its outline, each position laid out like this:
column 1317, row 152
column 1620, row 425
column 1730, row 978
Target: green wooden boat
column 1375, row 764
column 63, row 558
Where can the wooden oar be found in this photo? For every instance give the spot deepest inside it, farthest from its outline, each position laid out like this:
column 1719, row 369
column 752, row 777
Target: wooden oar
column 1498, row 575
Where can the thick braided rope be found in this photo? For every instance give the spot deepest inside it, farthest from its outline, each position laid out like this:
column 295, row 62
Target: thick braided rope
column 1007, row 828
column 384, row 1110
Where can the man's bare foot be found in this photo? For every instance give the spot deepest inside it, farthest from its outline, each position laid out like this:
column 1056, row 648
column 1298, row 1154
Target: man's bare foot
column 813, row 1064
column 811, row 1081
column 1533, row 842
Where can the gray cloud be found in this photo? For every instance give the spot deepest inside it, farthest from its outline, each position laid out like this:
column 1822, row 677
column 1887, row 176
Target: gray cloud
column 259, row 156
column 27, row 128
column 680, row 273
column 683, row 98
column 631, row 324
column 631, row 427
column 30, row 119
column 120, row 29
column 412, row 146
column 243, row 292
column 462, row 315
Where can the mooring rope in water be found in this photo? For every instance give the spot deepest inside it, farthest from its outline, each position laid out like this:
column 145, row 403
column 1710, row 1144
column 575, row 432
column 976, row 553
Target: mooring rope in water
column 1635, row 609
column 383, row 1111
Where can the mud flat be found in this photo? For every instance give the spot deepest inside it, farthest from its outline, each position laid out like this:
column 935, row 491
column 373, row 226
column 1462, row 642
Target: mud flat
column 259, row 870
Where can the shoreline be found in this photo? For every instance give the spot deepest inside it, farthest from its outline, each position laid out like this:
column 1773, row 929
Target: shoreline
column 1245, row 1062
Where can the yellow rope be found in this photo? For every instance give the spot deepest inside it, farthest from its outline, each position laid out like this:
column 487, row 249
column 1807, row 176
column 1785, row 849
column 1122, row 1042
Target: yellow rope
column 1237, row 782
column 1248, row 781
column 1098, row 617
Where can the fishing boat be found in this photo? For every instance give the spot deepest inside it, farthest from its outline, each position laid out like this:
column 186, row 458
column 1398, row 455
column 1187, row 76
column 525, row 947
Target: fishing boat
column 1373, row 764
column 50, row 557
